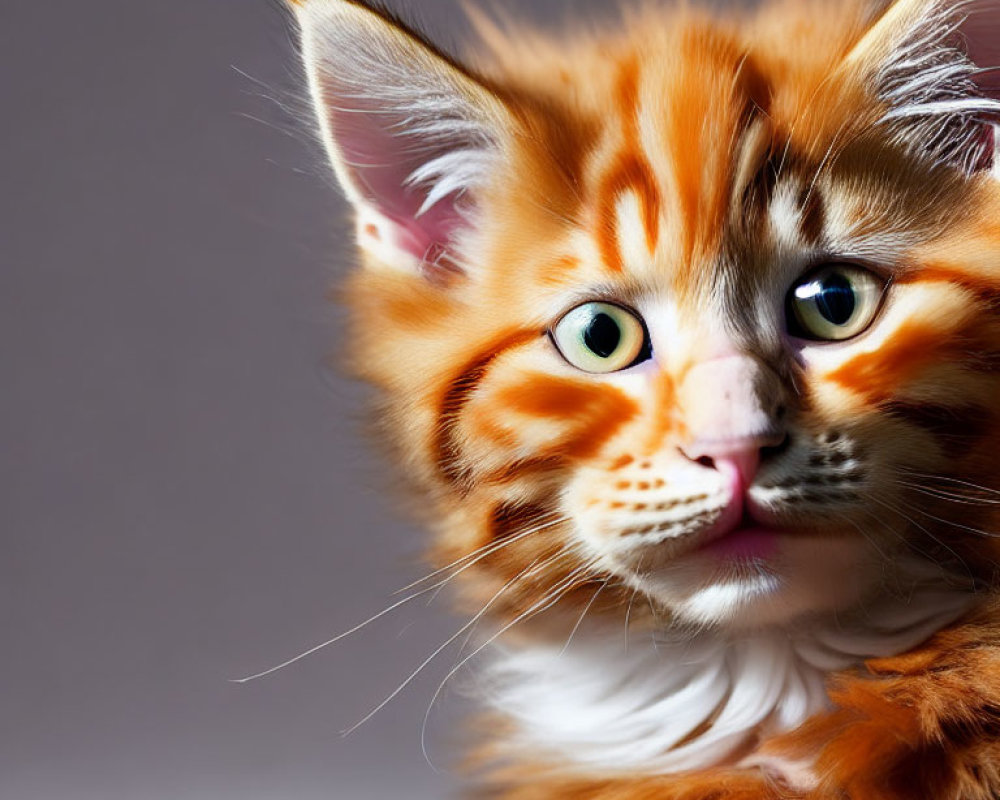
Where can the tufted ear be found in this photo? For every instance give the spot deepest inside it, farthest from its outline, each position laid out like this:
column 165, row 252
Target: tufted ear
column 981, row 31
column 931, row 62
column 411, row 134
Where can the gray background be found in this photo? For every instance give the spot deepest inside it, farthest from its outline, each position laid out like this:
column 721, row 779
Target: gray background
column 185, row 493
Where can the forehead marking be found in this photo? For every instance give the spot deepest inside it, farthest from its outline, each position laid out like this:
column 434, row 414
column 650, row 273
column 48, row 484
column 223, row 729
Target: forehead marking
column 633, row 238
column 797, row 213
column 813, row 215
column 630, row 175
column 786, row 216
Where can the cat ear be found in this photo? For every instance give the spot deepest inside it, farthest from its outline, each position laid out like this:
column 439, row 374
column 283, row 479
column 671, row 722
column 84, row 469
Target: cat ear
column 411, row 134
column 931, row 62
column 981, row 31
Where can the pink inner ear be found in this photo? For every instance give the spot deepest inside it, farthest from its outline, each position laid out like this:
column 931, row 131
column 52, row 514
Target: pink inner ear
column 380, row 155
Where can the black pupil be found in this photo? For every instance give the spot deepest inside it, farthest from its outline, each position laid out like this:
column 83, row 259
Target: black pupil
column 835, row 299
column 602, row 335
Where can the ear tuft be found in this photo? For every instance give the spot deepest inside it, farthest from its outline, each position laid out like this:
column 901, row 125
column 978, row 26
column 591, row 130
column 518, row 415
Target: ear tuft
column 918, row 59
column 411, row 134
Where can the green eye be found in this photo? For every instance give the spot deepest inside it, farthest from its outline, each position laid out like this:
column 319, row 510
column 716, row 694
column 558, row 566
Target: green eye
column 834, row 303
column 601, row 338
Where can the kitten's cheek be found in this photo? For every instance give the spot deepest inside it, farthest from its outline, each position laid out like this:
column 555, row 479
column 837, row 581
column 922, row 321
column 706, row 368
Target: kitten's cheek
column 634, row 518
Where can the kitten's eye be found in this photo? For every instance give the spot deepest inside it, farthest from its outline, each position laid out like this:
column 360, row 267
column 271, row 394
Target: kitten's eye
column 834, row 303
column 601, row 337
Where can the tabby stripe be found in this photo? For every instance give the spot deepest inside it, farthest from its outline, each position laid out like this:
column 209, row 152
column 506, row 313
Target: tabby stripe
column 457, row 395
column 511, row 518
column 593, row 413
column 524, row 468
column 631, row 172
column 875, row 375
column 986, row 290
column 956, row 429
column 813, row 216
column 760, row 190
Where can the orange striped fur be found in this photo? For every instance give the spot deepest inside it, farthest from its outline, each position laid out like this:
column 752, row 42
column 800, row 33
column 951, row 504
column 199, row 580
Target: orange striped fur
column 693, row 171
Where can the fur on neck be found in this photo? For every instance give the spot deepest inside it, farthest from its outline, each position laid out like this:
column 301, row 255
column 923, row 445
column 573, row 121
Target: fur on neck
column 673, row 701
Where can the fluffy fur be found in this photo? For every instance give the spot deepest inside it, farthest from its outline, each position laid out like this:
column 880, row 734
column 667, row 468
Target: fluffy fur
column 665, row 702
column 692, row 172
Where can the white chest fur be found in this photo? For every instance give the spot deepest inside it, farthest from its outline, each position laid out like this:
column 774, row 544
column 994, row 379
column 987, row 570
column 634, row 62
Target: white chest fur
column 674, row 702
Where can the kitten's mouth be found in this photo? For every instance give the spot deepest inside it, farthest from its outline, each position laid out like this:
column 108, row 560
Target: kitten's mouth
column 739, row 534
column 748, row 540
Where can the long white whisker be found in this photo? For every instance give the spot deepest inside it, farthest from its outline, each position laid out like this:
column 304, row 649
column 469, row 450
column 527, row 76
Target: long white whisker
column 562, row 553
column 336, row 638
column 525, row 573
column 550, row 599
column 392, row 695
column 941, row 494
column 586, row 608
column 631, row 602
column 869, row 538
column 436, row 588
column 506, row 542
column 926, row 532
column 949, row 479
column 954, row 524
column 946, row 574
column 554, row 519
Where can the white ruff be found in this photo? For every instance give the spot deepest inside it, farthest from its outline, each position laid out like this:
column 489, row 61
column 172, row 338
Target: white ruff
column 691, row 701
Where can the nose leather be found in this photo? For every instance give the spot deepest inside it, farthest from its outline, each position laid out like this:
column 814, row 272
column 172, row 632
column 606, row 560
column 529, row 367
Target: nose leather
column 732, row 408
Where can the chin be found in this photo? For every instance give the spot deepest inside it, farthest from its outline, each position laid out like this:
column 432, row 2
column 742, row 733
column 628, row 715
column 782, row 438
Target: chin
column 795, row 577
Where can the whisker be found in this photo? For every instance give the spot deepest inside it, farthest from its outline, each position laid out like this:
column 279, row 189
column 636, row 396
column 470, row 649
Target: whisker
column 883, row 525
column 946, row 574
column 500, row 546
column 489, row 548
column 395, row 693
column 631, row 601
column 562, row 553
column 951, row 497
column 871, row 540
column 548, row 600
column 926, row 532
column 799, row 118
column 468, row 637
column 579, row 622
column 436, row 588
column 949, row 479
column 335, row 639
column 953, row 524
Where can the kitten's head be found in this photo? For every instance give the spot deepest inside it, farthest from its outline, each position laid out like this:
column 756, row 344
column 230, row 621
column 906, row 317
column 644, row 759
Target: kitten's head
column 702, row 312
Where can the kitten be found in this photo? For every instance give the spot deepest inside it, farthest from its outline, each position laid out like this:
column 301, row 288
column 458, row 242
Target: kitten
column 688, row 335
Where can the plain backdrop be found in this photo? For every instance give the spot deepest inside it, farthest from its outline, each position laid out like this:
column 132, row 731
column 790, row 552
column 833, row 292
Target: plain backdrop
column 186, row 495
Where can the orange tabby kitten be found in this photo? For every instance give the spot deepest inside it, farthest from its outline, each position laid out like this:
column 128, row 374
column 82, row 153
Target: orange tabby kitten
column 688, row 335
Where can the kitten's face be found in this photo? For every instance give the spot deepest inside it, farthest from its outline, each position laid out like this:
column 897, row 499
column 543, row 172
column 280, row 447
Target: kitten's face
column 738, row 441
column 698, row 322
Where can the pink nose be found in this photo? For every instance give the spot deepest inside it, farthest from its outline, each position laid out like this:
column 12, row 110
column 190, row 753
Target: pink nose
column 738, row 459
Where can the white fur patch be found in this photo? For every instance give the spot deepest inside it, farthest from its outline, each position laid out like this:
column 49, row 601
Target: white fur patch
column 632, row 238
column 786, row 217
column 678, row 701
column 452, row 174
